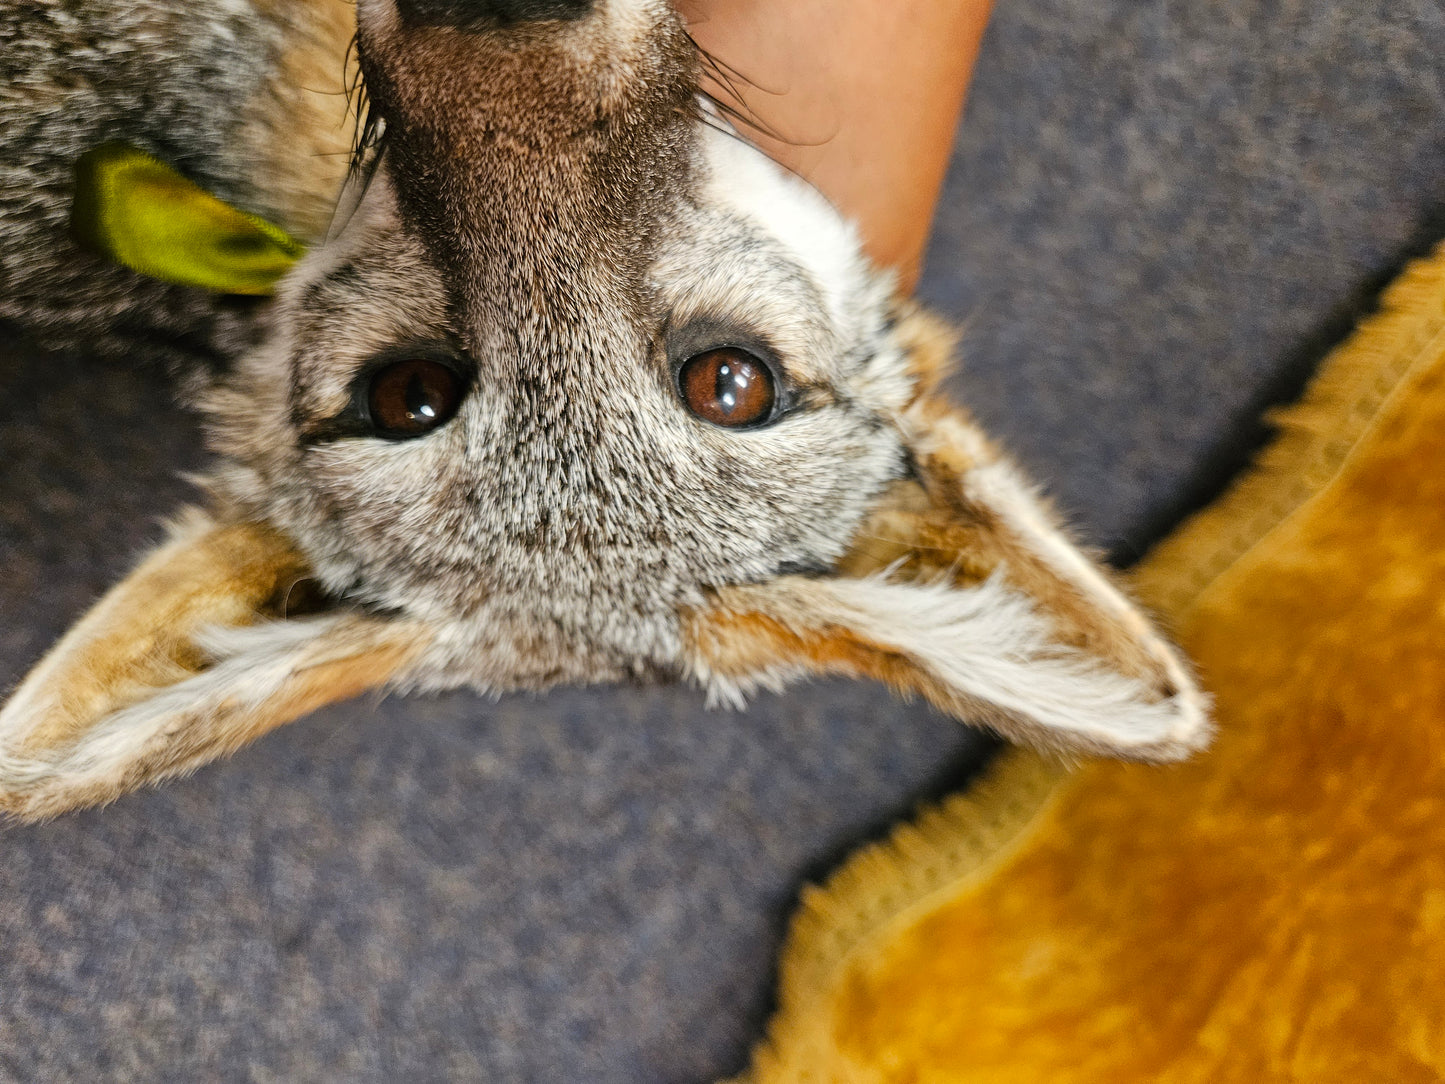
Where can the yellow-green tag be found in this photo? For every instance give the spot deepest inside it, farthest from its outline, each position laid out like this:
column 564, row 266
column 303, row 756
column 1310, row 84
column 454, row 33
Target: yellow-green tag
column 145, row 215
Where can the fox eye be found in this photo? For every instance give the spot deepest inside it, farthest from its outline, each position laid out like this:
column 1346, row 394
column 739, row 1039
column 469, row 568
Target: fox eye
column 412, row 397
column 728, row 387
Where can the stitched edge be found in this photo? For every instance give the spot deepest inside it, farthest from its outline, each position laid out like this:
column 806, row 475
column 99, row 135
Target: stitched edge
column 1315, row 439
column 885, row 886
column 964, row 839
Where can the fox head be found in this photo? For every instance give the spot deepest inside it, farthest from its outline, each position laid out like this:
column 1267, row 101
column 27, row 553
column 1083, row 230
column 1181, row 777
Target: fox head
column 583, row 388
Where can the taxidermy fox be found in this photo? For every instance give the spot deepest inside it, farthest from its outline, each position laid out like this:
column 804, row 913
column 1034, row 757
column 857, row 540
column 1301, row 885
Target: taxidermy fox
column 574, row 386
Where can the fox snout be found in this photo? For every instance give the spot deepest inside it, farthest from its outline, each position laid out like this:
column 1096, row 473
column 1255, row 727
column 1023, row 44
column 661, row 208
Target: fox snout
column 533, row 144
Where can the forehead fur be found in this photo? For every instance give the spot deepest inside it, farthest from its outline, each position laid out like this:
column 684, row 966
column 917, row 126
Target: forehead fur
column 794, row 216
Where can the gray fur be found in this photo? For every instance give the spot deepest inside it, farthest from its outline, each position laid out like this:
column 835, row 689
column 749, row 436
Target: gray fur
column 562, row 520
column 557, row 527
column 551, row 206
column 573, row 507
column 181, row 81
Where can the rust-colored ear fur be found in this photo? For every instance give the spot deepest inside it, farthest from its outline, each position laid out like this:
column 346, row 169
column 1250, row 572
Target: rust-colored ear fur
column 961, row 588
column 188, row 658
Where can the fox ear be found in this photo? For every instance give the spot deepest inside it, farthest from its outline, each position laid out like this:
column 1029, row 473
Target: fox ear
column 960, row 587
column 204, row 647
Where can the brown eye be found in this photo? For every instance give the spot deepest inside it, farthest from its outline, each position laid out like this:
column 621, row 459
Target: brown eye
column 412, row 397
column 727, row 387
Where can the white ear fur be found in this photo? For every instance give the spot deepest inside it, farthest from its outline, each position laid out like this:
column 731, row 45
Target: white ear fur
column 984, row 654
column 962, row 589
column 180, row 663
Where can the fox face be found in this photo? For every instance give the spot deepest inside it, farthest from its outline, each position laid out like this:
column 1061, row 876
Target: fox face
column 708, row 405
column 584, row 388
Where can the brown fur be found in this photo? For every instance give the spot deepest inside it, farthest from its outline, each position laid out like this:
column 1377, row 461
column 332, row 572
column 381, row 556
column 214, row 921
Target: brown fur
column 933, row 530
column 742, row 641
column 141, row 635
column 144, row 636
column 929, row 344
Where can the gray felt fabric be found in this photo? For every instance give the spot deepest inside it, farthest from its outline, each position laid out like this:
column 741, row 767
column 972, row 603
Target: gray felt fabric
column 1160, row 215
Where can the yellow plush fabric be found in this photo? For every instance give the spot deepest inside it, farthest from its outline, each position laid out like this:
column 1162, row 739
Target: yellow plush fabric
column 1273, row 910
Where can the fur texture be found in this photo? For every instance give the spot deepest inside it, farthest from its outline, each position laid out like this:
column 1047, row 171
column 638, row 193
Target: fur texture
column 1273, row 911
column 550, row 205
column 247, row 99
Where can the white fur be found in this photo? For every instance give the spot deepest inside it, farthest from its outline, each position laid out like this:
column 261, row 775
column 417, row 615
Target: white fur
column 793, row 213
column 986, row 643
column 998, row 487
column 256, row 663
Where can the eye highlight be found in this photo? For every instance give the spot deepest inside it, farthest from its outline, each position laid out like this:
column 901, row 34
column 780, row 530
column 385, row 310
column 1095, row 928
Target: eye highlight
column 728, row 387
column 413, row 396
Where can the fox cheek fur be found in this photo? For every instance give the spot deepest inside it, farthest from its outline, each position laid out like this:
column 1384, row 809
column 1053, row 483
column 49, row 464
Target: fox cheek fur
column 556, row 223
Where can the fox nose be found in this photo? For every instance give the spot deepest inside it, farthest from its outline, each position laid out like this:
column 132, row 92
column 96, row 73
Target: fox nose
column 466, row 14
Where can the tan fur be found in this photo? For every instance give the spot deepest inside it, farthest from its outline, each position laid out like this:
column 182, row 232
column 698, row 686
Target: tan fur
column 308, row 98
column 916, row 542
column 356, row 657
column 929, row 344
column 741, row 641
column 738, row 641
column 945, row 528
column 325, row 681
column 147, row 635
column 1095, row 617
column 140, row 636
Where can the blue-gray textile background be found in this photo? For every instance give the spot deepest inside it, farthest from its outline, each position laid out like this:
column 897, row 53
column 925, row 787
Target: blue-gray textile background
column 1160, row 215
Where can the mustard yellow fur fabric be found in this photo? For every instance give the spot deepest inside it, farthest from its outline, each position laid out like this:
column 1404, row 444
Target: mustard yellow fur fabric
column 1272, row 911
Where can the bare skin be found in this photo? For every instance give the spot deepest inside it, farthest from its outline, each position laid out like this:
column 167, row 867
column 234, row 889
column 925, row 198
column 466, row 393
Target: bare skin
column 860, row 97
